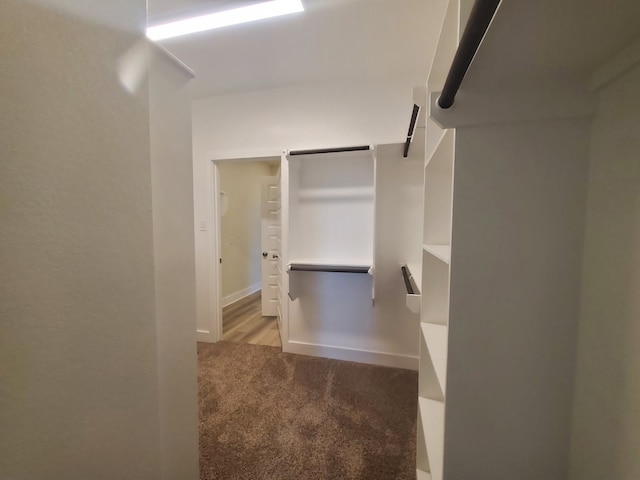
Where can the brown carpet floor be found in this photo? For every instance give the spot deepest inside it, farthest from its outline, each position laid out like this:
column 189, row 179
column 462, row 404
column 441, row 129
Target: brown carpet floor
column 265, row 414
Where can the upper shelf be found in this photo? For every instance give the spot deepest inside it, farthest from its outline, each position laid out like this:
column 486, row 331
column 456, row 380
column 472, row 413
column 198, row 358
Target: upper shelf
column 441, row 252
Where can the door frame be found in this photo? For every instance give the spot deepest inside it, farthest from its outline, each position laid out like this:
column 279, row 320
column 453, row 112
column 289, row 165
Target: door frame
column 215, row 248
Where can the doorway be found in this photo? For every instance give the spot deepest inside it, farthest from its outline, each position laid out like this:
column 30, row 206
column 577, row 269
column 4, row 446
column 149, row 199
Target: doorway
column 247, row 197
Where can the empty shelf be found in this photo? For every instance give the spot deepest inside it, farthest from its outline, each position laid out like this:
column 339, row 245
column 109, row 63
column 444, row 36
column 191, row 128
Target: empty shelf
column 436, row 337
column 421, row 475
column 441, row 252
column 432, row 416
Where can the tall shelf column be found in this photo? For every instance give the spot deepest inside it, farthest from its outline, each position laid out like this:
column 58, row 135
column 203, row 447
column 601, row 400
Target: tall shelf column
column 503, row 223
column 436, row 258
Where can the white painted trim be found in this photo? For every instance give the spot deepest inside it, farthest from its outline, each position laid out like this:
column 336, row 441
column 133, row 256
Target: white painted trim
column 204, row 336
column 214, row 249
column 617, row 66
column 353, row 355
column 215, row 252
column 256, row 156
column 284, row 247
column 234, row 297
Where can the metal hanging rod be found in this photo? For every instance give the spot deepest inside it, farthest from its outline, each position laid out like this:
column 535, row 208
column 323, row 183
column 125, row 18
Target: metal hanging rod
column 330, row 150
column 304, row 267
column 412, row 128
column 480, row 18
column 409, row 282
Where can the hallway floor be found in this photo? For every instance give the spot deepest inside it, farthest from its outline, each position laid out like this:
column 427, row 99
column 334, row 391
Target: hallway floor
column 242, row 322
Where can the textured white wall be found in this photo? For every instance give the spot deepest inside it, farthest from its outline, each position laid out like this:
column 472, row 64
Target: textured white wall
column 240, row 225
column 264, row 123
column 78, row 375
column 606, row 427
column 173, row 246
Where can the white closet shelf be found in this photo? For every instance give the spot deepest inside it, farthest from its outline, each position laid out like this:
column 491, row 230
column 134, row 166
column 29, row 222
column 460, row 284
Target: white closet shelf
column 432, row 416
column 422, row 475
column 436, row 338
column 309, row 194
column 441, row 252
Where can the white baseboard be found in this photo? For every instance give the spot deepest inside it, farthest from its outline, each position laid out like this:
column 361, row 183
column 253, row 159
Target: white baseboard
column 205, row 336
column 352, row 355
column 234, row 297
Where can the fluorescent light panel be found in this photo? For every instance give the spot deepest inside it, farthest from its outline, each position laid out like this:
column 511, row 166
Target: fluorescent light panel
column 225, row 18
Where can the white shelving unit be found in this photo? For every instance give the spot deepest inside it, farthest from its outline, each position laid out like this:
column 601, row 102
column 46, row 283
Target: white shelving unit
column 502, row 230
column 330, row 235
column 436, row 260
column 331, row 208
column 351, row 220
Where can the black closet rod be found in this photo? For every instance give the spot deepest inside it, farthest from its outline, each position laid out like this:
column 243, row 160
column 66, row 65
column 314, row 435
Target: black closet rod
column 330, row 150
column 479, row 19
column 300, row 267
column 412, row 129
column 406, row 276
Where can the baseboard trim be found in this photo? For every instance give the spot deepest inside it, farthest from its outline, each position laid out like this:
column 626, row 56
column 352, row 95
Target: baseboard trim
column 205, row 336
column 352, row 355
column 234, row 297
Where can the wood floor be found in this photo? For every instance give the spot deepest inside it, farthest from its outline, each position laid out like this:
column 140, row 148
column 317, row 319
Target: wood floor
column 242, row 322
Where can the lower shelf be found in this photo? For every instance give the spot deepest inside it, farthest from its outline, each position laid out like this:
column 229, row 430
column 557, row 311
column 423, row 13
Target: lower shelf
column 432, row 417
column 421, row 475
column 436, row 339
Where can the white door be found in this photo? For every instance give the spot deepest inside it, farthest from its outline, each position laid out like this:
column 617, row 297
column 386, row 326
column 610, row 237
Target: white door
column 270, row 228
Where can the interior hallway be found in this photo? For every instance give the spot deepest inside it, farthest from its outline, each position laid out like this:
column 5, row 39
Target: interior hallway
column 242, row 322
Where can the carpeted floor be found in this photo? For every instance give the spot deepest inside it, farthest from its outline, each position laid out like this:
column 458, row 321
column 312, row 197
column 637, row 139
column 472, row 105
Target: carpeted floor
column 265, row 414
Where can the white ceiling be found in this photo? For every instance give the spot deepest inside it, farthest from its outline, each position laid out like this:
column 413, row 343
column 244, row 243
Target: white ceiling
column 332, row 41
column 364, row 41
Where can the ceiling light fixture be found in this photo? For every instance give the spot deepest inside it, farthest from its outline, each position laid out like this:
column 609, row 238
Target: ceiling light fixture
column 225, row 18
